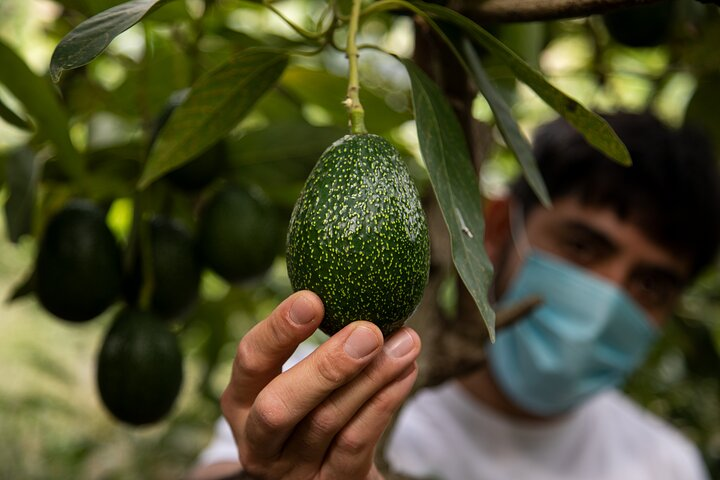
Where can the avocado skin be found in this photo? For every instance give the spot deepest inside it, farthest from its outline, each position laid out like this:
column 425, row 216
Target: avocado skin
column 176, row 270
column 358, row 236
column 79, row 263
column 239, row 233
column 642, row 25
column 139, row 368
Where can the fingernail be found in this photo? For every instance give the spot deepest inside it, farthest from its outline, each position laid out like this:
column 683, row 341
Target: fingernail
column 399, row 344
column 361, row 342
column 302, row 311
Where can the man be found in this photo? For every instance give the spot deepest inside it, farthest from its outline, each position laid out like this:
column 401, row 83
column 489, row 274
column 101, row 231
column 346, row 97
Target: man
column 609, row 259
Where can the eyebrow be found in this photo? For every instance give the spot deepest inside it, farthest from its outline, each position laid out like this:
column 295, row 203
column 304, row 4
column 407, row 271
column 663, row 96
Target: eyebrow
column 579, row 227
column 587, row 231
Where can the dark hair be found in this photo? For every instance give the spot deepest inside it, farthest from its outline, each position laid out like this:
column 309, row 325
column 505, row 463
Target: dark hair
column 672, row 190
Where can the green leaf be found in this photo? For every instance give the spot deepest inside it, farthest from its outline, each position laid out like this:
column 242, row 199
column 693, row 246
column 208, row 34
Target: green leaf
column 41, row 102
column 508, row 127
column 217, row 102
column 594, row 128
column 22, row 172
column 13, row 118
column 445, row 152
column 166, row 69
column 91, row 37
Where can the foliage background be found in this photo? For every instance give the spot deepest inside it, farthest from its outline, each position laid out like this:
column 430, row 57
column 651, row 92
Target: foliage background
column 51, row 421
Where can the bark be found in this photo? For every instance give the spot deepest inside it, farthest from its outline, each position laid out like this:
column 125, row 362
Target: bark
column 535, row 10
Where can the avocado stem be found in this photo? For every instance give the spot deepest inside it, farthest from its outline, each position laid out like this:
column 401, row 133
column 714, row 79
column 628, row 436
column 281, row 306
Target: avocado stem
column 352, row 102
column 142, row 245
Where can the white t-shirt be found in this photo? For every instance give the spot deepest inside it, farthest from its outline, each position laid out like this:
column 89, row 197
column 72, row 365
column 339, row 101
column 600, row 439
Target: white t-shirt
column 444, row 433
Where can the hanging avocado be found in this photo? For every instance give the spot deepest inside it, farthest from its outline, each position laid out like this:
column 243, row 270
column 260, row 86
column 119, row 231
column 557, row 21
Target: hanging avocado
column 79, row 263
column 239, row 233
column 643, row 25
column 176, row 270
column 358, row 236
column 139, row 369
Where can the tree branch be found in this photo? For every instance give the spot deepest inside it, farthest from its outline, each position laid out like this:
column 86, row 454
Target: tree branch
column 532, row 10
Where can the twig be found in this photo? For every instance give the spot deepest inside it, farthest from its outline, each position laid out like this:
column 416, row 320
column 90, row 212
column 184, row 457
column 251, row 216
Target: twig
column 534, row 10
column 352, row 102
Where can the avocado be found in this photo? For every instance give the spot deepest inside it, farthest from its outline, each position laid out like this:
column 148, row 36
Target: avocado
column 176, row 269
column 358, row 236
column 642, row 25
column 139, row 368
column 239, row 233
column 79, row 264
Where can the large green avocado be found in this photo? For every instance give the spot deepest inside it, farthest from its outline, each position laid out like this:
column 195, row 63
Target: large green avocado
column 79, row 264
column 139, row 369
column 358, row 236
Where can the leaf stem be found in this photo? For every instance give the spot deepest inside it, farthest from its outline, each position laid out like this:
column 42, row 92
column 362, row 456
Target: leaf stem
column 352, row 102
column 297, row 28
column 383, row 5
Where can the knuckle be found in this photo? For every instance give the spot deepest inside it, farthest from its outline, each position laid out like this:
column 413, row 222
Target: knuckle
column 247, row 359
column 350, row 444
column 227, row 404
column 332, row 369
column 269, row 413
column 384, row 403
column 324, row 421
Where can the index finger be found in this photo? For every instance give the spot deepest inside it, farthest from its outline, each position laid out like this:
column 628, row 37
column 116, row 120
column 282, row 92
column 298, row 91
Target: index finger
column 266, row 347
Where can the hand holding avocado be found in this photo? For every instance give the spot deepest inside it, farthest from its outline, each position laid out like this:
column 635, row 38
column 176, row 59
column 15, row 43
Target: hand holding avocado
column 323, row 416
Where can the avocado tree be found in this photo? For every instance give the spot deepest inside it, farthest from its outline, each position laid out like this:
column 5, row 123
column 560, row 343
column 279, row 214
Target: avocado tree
column 157, row 153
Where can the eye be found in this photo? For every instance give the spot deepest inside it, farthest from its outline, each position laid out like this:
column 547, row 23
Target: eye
column 655, row 290
column 582, row 250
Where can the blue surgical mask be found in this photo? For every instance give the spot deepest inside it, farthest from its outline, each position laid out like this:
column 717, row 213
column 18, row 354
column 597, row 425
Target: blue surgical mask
column 586, row 336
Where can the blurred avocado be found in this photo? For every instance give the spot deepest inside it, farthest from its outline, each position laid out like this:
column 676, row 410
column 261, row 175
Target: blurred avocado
column 642, row 25
column 139, row 368
column 79, row 263
column 239, row 233
column 176, row 269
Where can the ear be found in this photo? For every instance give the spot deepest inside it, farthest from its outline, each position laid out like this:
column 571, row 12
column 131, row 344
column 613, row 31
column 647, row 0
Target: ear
column 497, row 227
